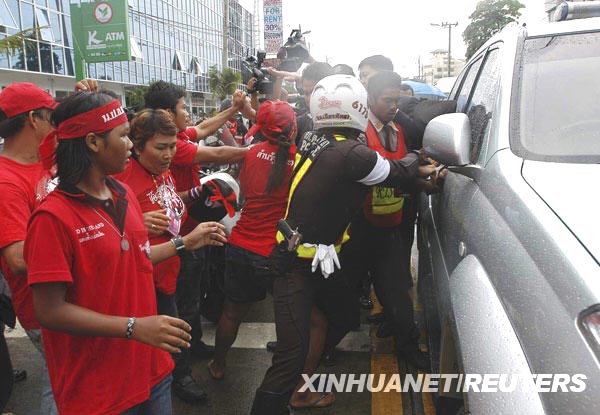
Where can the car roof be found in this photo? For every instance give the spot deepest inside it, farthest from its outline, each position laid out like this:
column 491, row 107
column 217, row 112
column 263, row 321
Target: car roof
column 569, row 26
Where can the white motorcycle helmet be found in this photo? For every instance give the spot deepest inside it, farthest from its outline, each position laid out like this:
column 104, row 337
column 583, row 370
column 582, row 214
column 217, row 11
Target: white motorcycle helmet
column 339, row 101
column 227, row 204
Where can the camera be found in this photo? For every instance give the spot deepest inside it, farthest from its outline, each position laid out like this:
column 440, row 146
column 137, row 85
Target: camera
column 252, row 68
column 294, row 52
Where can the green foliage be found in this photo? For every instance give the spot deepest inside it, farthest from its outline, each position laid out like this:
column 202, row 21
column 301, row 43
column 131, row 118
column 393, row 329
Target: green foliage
column 14, row 43
column 489, row 17
column 134, row 96
column 223, row 83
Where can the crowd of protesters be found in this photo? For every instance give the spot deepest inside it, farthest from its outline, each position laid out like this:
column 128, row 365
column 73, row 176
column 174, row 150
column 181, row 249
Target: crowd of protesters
column 105, row 225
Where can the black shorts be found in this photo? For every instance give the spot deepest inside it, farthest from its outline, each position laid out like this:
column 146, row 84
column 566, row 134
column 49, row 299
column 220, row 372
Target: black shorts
column 247, row 276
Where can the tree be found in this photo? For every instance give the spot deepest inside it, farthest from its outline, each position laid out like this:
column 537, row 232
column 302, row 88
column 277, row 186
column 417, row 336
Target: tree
column 489, row 17
column 14, row 43
column 134, row 96
column 223, row 83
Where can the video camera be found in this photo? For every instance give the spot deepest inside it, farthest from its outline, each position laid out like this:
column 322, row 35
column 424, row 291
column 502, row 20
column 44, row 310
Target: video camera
column 252, row 68
column 292, row 55
column 294, row 52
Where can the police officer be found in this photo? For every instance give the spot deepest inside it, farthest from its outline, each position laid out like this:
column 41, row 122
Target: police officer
column 332, row 175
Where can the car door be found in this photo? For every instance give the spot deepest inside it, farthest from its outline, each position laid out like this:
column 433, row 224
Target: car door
column 445, row 220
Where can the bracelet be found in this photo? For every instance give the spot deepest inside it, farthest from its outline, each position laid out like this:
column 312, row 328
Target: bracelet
column 194, row 193
column 130, row 324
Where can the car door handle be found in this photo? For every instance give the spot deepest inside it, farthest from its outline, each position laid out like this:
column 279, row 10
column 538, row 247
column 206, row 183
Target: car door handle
column 462, row 249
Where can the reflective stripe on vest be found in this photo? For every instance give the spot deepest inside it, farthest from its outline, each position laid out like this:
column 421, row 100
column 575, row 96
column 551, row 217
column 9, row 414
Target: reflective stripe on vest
column 303, row 251
column 384, row 205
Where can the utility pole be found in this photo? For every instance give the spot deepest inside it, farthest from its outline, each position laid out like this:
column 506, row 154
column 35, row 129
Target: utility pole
column 448, row 25
column 225, row 60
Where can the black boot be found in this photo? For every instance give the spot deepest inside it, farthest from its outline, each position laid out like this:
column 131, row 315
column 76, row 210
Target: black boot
column 266, row 403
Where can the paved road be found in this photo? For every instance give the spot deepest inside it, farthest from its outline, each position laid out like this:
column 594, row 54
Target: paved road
column 360, row 353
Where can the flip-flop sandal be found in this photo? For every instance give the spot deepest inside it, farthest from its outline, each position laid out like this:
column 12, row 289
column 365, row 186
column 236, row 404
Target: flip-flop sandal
column 316, row 402
column 212, row 374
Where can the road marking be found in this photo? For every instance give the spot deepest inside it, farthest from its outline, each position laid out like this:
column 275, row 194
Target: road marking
column 15, row 333
column 383, row 361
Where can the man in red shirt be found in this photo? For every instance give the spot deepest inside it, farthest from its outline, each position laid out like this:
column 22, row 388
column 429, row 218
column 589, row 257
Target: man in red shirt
column 185, row 169
column 25, row 111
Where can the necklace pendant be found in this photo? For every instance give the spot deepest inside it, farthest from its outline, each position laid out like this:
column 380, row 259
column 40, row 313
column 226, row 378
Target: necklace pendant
column 124, row 245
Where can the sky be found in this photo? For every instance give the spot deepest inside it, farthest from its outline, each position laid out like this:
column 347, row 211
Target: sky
column 343, row 32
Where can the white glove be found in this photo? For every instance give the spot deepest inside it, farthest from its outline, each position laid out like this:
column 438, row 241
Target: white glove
column 326, row 258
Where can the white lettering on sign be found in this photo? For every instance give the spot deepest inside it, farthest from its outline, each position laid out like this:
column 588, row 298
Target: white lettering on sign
column 115, row 36
column 92, row 38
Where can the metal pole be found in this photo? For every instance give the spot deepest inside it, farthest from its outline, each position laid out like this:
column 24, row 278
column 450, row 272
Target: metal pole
column 449, row 26
column 225, row 60
column 449, row 47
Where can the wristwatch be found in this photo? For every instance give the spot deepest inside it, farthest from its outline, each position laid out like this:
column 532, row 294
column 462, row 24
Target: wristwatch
column 178, row 243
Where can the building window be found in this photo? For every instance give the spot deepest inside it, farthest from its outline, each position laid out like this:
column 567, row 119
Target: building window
column 195, row 67
column 6, row 17
column 179, row 62
column 42, row 21
column 134, row 47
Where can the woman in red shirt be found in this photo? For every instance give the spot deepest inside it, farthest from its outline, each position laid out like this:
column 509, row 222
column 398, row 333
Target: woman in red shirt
column 154, row 136
column 90, row 269
column 264, row 182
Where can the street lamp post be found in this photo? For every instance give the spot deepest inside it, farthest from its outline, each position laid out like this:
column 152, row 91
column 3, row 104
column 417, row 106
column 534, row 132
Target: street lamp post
column 448, row 25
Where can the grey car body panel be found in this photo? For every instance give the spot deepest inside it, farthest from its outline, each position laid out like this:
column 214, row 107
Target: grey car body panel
column 562, row 184
column 474, row 295
column 533, row 244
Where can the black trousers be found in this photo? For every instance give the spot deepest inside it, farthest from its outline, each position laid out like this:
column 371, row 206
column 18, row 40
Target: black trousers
column 385, row 254
column 165, row 304
column 187, row 299
column 294, row 294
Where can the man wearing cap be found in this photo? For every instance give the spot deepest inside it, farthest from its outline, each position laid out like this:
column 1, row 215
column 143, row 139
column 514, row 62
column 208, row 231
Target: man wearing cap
column 25, row 111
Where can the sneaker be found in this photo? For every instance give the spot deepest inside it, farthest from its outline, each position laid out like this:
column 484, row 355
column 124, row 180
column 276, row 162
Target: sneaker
column 188, row 390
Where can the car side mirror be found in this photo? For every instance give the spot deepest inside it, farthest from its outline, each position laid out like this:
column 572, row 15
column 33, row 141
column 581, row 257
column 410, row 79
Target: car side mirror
column 447, row 139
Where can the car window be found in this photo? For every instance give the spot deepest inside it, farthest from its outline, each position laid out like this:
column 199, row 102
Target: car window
column 465, row 89
column 558, row 113
column 481, row 105
column 457, row 83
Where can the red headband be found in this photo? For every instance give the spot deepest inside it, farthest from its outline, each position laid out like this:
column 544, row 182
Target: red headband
column 97, row 121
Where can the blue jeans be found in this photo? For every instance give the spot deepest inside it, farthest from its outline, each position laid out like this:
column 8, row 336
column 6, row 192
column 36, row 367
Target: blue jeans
column 47, row 404
column 159, row 402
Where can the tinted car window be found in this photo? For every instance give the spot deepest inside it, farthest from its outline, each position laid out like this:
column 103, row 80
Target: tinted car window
column 481, row 107
column 558, row 108
column 457, row 83
column 465, row 89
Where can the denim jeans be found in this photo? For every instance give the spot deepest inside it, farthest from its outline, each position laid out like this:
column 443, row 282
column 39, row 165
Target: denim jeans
column 159, row 402
column 47, row 404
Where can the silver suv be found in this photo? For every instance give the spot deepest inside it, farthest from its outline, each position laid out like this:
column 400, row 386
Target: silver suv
column 510, row 249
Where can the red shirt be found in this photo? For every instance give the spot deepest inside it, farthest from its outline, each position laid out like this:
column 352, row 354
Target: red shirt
column 185, row 171
column 18, row 184
column 69, row 242
column 256, row 228
column 146, row 191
